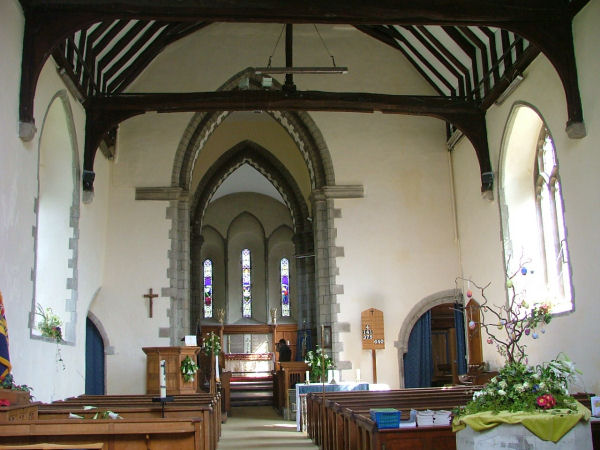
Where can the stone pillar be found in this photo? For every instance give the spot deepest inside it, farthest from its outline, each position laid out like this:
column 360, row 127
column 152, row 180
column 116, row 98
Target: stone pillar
column 179, row 269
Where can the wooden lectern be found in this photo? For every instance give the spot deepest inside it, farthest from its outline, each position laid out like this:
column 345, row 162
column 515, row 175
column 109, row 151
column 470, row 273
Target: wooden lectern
column 173, row 357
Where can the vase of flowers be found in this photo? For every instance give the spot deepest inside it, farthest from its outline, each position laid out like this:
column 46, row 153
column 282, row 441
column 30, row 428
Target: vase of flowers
column 319, row 362
column 537, row 397
column 50, row 324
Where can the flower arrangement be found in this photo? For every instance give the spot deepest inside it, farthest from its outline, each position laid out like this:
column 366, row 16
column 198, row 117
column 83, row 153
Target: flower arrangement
column 211, row 344
column 519, row 387
column 9, row 383
column 50, row 325
column 188, row 369
column 319, row 362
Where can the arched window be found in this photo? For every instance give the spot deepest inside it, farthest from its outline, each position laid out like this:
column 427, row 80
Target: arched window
column 532, row 212
column 208, row 289
column 246, row 284
column 551, row 220
column 284, row 270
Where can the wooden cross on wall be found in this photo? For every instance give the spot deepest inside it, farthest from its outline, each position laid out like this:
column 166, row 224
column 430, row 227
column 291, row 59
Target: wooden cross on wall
column 150, row 296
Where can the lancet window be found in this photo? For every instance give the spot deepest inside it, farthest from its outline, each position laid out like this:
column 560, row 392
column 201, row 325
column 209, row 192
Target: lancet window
column 285, row 287
column 246, row 284
column 208, row 289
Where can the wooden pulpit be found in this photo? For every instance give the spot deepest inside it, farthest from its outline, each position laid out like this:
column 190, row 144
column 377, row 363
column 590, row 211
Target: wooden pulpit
column 173, row 357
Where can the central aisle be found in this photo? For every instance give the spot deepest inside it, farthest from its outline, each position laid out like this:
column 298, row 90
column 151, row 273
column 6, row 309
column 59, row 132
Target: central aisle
column 261, row 427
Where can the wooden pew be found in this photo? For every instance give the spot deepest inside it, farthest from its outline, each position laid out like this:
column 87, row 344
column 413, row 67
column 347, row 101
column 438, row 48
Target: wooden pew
column 336, row 425
column 127, row 434
column 203, row 405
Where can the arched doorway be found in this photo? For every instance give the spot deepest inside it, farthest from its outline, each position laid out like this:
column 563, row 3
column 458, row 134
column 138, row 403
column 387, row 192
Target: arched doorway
column 94, row 360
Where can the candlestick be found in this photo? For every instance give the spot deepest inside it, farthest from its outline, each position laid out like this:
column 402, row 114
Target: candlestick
column 358, row 375
column 307, row 377
column 163, row 378
column 217, row 377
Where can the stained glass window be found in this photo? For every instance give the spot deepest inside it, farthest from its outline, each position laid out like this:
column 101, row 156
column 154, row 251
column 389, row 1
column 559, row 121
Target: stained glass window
column 285, row 287
column 208, row 289
column 246, row 284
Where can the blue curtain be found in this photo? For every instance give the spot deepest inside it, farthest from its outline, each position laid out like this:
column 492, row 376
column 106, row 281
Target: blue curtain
column 303, row 344
column 418, row 361
column 459, row 325
column 94, row 360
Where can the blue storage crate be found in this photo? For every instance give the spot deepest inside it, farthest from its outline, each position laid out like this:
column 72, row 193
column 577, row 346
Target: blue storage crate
column 386, row 417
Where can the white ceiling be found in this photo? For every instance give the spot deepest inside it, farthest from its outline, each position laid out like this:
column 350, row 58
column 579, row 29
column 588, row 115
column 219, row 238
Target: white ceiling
column 247, row 179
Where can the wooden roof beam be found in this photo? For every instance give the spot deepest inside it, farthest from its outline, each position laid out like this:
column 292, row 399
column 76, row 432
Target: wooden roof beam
column 105, row 113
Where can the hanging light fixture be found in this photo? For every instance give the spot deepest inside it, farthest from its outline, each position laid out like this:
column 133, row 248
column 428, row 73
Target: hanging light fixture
column 289, row 69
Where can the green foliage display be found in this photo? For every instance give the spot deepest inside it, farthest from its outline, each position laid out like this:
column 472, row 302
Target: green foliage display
column 211, row 344
column 521, row 388
column 50, row 325
column 9, row 383
column 188, row 369
column 319, row 362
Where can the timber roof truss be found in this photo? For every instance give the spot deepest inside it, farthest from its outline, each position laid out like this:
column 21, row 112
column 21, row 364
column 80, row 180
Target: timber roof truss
column 469, row 51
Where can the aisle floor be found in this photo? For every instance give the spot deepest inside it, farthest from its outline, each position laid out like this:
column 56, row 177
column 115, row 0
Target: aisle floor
column 261, row 427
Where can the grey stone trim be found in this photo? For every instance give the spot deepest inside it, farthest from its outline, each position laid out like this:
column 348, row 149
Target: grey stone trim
column 447, row 296
column 73, row 243
column 160, row 193
column 347, row 191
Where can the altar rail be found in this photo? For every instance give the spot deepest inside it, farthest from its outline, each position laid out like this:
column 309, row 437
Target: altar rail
column 343, row 421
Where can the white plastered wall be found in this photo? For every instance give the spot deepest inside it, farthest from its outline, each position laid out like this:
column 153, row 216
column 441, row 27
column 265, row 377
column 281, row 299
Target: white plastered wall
column 479, row 222
column 33, row 360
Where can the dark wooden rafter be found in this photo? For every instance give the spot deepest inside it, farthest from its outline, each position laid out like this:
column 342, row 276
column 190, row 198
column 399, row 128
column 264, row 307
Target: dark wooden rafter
column 441, row 58
column 424, row 61
column 105, row 113
column 465, row 77
column 169, row 34
column 485, row 65
column 380, row 33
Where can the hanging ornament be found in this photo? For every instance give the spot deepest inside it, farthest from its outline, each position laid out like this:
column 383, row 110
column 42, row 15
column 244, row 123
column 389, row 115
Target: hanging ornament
column 472, row 325
column 527, row 331
column 489, row 340
column 534, row 335
column 524, row 270
column 509, row 283
column 469, row 293
column 500, row 326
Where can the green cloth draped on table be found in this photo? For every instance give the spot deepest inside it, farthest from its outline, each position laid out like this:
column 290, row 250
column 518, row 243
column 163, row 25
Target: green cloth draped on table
column 549, row 425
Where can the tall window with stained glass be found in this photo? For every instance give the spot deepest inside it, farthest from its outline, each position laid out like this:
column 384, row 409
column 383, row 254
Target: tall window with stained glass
column 208, row 289
column 246, row 284
column 285, row 287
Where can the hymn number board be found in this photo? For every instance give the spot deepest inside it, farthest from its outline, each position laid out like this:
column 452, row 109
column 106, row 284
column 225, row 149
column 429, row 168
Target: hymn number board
column 372, row 329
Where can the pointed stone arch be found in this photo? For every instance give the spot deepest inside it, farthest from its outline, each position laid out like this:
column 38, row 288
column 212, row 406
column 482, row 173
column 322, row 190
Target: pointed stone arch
column 299, row 125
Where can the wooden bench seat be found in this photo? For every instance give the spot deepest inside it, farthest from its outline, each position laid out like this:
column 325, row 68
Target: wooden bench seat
column 126, row 434
column 343, row 420
column 204, row 406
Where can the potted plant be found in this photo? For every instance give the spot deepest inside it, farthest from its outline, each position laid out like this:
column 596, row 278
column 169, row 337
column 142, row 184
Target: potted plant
column 12, row 393
column 319, row 362
column 535, row 397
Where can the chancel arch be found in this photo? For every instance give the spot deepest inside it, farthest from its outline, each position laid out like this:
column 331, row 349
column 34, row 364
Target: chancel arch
column 309, row 199
column 57, row 227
